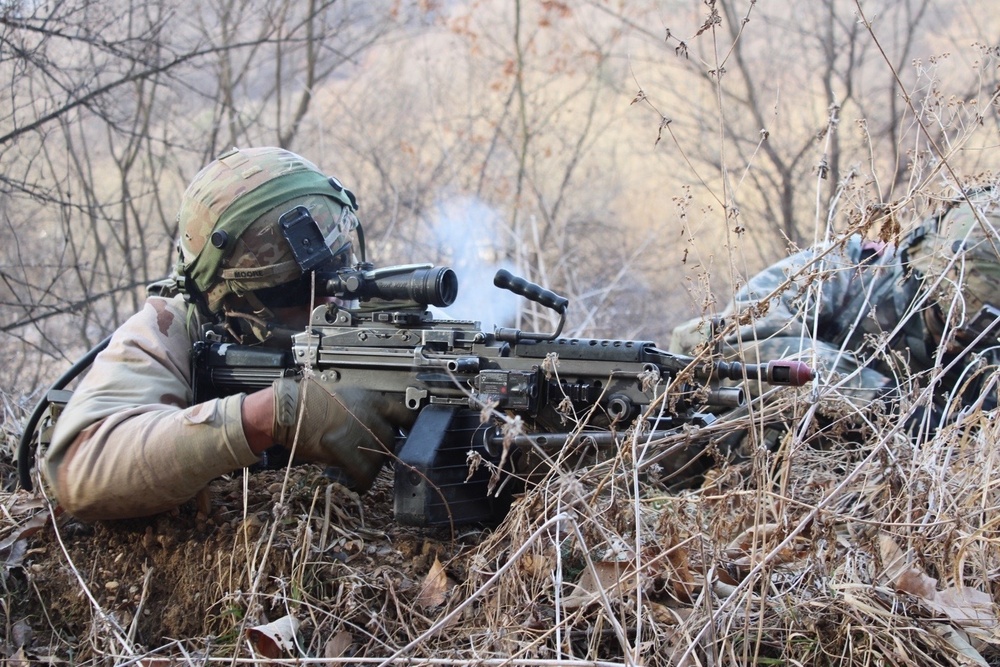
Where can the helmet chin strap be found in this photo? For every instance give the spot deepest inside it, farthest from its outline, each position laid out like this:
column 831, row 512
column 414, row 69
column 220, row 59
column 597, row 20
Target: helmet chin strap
column 361, row 241
column 237, row 323
column 262, row 322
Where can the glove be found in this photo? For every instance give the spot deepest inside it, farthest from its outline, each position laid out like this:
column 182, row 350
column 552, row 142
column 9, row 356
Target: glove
column 353, row 429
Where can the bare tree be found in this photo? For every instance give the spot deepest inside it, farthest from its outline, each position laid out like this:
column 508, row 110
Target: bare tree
column 114, row 105
column 542, row 125
column 789, row 125
column 519, row 107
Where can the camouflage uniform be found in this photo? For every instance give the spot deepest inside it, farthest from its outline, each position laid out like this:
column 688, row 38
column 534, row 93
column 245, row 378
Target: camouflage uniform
column 130, row 442
column 834, row 305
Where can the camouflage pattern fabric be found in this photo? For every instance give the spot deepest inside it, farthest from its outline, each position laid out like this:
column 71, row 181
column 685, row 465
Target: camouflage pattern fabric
column 808, row 307
column 129, row 443
column 854, row 310
column 962, row 251
column 242, row 194
column 261, row 256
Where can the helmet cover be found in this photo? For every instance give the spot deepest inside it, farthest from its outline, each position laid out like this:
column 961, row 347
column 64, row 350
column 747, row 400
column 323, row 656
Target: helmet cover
column 964, row 252
column 230, row 239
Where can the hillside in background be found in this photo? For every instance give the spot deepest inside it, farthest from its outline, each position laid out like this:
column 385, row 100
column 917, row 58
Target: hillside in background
column 642, row 159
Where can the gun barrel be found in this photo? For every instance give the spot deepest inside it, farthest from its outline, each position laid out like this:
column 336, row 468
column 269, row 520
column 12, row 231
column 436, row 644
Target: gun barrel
column 727, row 397
column 793, row 373
column 783, row 372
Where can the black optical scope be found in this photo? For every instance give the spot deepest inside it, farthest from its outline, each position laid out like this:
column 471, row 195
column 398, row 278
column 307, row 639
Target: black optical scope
column 423, row 284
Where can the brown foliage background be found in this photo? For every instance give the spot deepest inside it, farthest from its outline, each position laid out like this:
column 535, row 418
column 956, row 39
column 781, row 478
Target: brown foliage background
column 641, row 158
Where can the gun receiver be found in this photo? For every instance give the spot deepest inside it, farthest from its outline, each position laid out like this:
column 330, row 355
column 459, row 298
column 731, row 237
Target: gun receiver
column 579, row 392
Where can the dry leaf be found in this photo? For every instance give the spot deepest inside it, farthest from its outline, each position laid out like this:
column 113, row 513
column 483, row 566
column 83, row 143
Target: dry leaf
column 19, row 659
column 675, row 571
column 12, row 555
column 588, row 589
column 749, row 547
column 970, row 608
column 665, row 616
column 21, row 633
column 532, row 565
column 755, row 535
column 435, row 586
column 893, row 558
column 967, row 607
column 25, row 503
column 684, row 585
column 273, row 639
column 23, row 532
column 723, row 589
column 338, row 645
column 915, row 582
column 676, row 642
column 960, row 643
column 724, row 577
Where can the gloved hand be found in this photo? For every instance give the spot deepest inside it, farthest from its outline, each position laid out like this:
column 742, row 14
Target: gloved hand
column 353, row 429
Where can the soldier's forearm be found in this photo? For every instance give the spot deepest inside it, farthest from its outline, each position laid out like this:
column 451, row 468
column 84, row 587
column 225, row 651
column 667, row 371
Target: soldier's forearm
column 151, row 461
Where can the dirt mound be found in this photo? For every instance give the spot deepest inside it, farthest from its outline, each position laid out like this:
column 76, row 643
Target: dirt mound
column 805, row 554
column 263, row 543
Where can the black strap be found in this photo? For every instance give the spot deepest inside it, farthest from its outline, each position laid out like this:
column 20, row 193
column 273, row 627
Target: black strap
column 25, row 456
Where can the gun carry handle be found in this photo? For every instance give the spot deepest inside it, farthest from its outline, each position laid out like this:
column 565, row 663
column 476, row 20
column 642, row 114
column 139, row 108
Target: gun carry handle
column 508, row 281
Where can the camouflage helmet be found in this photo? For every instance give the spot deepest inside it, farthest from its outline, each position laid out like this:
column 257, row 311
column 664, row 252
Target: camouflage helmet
column 231, row 242
column 959, row 261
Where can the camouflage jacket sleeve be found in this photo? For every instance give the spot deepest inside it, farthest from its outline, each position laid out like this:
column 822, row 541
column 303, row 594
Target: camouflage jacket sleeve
column 129, row 443
column 800, row 308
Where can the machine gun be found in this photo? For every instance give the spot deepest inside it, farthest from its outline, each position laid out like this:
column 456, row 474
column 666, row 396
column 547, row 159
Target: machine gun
column 539, row 392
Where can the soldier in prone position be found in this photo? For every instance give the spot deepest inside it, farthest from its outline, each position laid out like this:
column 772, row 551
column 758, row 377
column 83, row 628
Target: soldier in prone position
column 131, row 441
column 883, row 318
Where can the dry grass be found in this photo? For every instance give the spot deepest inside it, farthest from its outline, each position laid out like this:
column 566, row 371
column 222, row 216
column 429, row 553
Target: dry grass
column 842, row 541
column 843, row 545
column 858, row 548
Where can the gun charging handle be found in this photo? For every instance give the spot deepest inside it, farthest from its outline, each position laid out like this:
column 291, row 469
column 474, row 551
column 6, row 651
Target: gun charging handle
column 506, row 280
